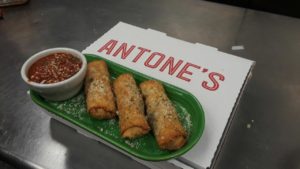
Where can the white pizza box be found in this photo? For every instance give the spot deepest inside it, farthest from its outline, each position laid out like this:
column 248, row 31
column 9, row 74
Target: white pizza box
column 215, row 78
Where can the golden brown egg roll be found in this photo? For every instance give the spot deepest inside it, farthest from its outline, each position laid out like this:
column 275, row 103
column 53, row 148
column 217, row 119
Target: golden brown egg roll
column 99, row 96
column 162, row 116
column 132, row 119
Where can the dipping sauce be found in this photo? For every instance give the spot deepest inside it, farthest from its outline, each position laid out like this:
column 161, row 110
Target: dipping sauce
column 54, row 68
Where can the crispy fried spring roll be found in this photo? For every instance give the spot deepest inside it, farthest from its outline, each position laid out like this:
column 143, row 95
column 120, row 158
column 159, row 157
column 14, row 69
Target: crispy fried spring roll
column 132, row 119
column 99, row 96
column 162, row 116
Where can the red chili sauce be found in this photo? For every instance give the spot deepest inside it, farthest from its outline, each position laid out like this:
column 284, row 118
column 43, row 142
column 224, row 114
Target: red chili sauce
column 54, row 68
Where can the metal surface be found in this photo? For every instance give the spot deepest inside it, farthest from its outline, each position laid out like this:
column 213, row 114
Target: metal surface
column 264, row 133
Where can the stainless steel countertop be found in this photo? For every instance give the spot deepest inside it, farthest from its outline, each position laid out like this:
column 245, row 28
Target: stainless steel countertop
column 270, row 102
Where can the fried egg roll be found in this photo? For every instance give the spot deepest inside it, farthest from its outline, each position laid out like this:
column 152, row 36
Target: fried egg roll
column 132, row 119
column 162, row 116
column 99, row 96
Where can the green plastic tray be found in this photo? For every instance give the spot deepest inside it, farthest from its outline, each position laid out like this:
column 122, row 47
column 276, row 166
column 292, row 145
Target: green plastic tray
column 74, row 111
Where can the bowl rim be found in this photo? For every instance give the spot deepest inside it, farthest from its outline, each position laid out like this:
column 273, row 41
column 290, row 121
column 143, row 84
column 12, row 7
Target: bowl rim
column 46, row 52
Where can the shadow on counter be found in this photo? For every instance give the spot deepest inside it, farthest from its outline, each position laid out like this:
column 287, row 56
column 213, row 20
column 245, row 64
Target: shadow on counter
column 82, row 152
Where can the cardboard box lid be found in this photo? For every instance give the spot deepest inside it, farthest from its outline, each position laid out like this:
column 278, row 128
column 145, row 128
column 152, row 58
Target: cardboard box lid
column 215, row 78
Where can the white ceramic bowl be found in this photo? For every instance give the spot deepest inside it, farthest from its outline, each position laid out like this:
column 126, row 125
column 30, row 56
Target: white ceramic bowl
column 61, row 90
